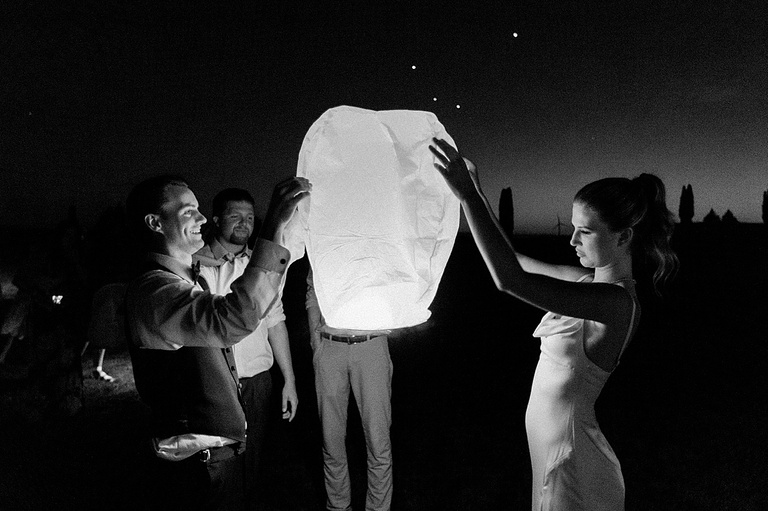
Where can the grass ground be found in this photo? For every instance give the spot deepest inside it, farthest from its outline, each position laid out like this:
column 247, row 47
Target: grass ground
column 685, row 412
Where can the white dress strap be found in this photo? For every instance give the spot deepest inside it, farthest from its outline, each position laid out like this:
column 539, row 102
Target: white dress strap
column 630, row 331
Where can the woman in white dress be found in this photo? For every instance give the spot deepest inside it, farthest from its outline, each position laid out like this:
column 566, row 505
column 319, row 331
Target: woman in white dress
column 592, row 313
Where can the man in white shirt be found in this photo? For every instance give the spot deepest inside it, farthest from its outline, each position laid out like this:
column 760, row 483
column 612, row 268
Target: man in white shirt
column 222, row 260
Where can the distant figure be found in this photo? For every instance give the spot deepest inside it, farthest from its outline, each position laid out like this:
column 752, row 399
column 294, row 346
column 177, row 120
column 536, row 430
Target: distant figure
column 13, row 319
column 180, row 337
column 592, row 315
column 98, row 366
column 106, row 328
column 356, row 361
column 223, row 260
column 106, row 258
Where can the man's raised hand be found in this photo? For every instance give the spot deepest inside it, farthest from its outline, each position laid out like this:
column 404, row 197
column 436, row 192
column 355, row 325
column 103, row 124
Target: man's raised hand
column 285, row 199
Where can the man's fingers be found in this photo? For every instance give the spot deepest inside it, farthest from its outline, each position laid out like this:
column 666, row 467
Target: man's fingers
column 292, row 186
column 293, row 202
column 289, row 193
column 289, row 408
column 292, row 180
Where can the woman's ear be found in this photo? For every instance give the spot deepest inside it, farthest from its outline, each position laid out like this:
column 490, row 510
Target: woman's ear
column 625, row 236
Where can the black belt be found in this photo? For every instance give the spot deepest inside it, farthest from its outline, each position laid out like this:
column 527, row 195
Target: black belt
column 214, row 454
column 349, row 339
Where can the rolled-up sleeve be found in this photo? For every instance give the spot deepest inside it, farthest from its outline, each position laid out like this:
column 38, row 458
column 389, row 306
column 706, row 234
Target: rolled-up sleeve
column 166, row 311
column 276, row 314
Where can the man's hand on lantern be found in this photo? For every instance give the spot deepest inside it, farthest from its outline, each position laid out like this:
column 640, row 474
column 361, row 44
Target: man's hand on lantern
column 285, row 198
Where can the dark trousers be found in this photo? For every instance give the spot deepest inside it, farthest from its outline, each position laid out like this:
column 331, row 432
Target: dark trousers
column 196, row 485
column 257, row 399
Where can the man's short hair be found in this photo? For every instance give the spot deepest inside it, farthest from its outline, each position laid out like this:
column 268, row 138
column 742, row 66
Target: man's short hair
column 147, row 198
column 230, row 195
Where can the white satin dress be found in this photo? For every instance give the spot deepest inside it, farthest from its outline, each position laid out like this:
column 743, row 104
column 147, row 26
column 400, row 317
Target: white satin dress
column 574, row 467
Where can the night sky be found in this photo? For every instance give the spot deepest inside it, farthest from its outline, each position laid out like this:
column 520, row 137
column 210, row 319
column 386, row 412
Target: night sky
column 543, row 96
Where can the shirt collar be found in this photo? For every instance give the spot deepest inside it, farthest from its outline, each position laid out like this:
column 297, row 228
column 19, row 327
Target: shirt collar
column 175, row 266
column 221, row 253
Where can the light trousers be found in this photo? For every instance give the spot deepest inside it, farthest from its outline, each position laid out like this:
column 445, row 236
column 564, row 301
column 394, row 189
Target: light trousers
column 365, row 369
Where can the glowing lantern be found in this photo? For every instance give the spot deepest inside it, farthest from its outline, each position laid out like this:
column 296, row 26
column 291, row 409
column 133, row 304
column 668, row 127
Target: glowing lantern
column 381, row 222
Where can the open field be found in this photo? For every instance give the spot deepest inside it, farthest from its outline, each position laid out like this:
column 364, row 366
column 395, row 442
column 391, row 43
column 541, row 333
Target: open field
column 685, row 411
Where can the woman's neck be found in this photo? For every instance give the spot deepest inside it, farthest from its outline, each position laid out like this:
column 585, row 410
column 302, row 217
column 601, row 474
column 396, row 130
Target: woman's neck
column 618, row 271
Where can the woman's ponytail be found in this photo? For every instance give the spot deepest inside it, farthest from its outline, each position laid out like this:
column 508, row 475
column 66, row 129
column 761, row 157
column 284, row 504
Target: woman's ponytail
column 653, row 230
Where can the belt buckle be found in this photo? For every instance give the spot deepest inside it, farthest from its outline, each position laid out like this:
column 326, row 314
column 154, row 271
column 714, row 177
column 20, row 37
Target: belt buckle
column 347, row 339
column 357, row 339
column 205, row 455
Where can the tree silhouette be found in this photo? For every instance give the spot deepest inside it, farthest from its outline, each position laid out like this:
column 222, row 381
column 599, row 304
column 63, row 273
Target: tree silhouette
column 729, row 222
column 712, row 218
column 507, row 211
column 686, row 205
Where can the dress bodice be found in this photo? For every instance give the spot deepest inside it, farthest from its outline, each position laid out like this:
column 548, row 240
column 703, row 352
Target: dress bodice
column 571, row 374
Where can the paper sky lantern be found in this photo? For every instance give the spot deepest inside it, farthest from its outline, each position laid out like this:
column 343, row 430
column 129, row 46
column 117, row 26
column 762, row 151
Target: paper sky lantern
column 381, row 222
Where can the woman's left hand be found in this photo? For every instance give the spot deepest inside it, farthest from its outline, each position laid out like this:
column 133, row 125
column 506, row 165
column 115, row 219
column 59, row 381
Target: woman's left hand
column 460, row 173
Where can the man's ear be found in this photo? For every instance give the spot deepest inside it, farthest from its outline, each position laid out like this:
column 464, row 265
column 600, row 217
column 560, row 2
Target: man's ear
column 625, row 236
column 216, row 221
column 153, row 222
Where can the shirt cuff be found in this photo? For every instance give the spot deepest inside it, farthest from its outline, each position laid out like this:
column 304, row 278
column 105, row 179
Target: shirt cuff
column 270, row 256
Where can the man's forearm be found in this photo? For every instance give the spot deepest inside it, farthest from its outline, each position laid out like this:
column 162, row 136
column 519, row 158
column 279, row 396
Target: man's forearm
column 314, row 318
column 281, row 349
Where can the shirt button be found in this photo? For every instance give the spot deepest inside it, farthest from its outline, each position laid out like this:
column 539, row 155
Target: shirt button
column 228, row 350
column 231, row 368
column 282, row 261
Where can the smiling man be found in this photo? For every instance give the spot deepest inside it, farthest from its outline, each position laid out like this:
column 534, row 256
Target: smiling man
column 180, row 337
column 234, row 220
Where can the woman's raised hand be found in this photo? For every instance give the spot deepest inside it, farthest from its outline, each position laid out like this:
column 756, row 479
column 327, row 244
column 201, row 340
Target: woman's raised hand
column 459, row 172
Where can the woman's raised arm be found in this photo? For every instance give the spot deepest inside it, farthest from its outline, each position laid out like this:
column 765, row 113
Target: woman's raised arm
column 527, row 279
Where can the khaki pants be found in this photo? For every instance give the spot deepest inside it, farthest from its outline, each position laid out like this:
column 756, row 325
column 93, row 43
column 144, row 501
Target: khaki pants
column 366, row 369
